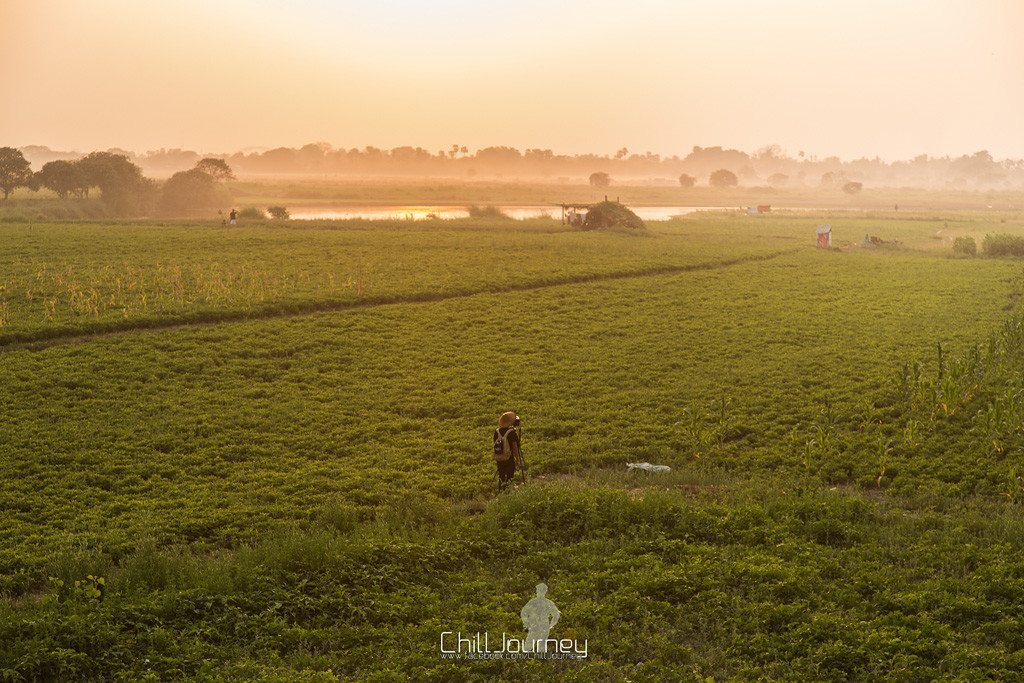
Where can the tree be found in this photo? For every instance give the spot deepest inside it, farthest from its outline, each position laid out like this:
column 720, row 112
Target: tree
column 600, row 179
column 121, row 182
column 186, row 192
column 62, row 177
column 686, row 180
column 853, row 187
column 217, row 169
column 15, row 171
column 723, row 178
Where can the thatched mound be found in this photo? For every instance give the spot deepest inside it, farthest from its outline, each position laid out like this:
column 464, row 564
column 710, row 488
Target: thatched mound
column 606, row 215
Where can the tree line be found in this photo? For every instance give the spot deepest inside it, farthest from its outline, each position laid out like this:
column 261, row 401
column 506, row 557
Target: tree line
column 123, row 187
column 769, row 165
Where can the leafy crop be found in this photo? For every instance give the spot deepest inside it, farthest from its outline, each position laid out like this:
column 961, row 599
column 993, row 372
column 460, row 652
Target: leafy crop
column 304, row 491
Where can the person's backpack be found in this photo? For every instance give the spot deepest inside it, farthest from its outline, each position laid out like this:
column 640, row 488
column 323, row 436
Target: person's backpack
column 502, row 447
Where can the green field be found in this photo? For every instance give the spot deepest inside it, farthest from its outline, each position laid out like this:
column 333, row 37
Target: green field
column 262, row 452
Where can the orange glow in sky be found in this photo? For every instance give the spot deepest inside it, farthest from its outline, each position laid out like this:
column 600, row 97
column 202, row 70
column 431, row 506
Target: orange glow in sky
column 865, row 78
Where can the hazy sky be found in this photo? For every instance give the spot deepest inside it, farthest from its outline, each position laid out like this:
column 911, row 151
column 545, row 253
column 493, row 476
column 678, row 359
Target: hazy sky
column 894, row 78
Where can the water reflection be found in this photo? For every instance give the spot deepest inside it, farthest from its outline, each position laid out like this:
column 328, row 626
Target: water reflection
column 418, row 213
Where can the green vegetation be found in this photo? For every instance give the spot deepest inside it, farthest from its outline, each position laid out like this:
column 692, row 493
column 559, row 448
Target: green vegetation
column 487, row 212
column 253, row 213
column 303, row 490
column 965, row 246
column 1003, row 245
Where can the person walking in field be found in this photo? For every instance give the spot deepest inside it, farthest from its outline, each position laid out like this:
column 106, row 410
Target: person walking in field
column 233, row 216
column 506, row 448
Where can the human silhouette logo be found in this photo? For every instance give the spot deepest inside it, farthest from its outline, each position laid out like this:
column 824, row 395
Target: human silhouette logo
column 539, row 616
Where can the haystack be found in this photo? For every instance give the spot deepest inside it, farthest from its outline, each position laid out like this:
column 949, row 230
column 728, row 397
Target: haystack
column 604, row 215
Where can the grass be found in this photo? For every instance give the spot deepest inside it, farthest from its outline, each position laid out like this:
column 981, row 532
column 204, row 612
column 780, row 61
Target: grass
column 309, row 496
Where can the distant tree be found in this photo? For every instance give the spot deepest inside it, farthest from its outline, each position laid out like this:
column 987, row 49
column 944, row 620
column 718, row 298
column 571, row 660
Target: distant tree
column 686, row 180
column 853, row 187
column 778, row 179
column 278, row 213
column 217, row 169
column 188, row 192
column 622, row 153
column 121, row 182
column 15, row 171
column 62, row 177
column 723, row 178
column 600, row 179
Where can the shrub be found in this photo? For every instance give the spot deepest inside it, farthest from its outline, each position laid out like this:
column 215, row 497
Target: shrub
column 965, row 246
column 723, row 178
column 252, row 213
column 853, row 187
column 278, row 213
column 485, row 212
column 600, row 179
column 1003, row 245
column 687, row 180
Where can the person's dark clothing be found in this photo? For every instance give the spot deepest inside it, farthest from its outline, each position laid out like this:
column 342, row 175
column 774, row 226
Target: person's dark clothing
column 507, row 469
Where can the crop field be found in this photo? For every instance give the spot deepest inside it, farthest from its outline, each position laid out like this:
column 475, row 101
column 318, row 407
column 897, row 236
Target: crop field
column 263, row 452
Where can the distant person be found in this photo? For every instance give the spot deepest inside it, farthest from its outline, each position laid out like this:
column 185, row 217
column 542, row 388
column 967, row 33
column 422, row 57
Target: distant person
column 506, row 448
column 233, row 216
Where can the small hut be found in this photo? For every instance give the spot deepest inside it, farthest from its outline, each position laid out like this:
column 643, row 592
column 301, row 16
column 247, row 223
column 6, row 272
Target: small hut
column 824, row 236
column 575, row 214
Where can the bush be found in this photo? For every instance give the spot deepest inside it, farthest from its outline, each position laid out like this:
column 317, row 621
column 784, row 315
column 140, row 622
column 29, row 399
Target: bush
column 485, row 212
column 1003, row 245
column 600, row 179
column 853, row 187
column 252, row 213
column 965, row 246
column 687, row 180
column 278, row 213
column 723, row 178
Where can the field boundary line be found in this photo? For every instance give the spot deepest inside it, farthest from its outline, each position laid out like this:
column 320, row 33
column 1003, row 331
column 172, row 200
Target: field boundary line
column 53, row 336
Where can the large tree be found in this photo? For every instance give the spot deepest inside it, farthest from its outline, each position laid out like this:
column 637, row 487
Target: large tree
column 217, row 169
column 62, row 177
column 15, row 171
column 121, row 182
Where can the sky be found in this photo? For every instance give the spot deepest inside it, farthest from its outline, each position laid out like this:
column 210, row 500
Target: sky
column 893, row 78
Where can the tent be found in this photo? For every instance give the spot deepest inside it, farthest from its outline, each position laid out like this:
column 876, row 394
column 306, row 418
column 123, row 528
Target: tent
column 824, row 236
